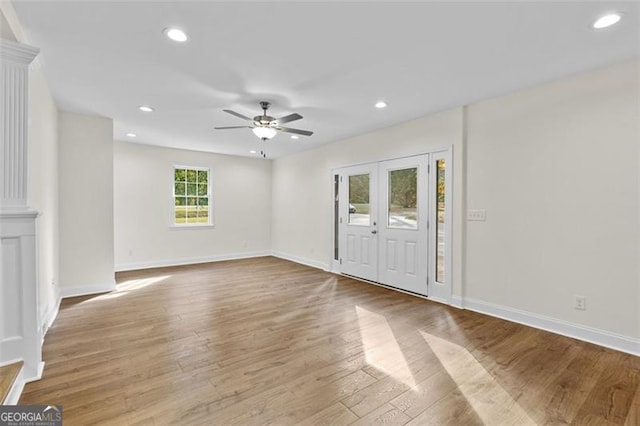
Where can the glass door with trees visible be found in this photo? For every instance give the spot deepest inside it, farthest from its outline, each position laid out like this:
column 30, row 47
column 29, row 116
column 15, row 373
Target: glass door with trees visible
column 358, row 221
column 402, row 238
column 392, row 223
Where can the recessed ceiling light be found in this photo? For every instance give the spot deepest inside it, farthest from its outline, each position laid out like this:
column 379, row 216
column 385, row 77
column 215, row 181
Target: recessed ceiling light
column 131, row 135
column 607, row 21
column 294, row 136
column 253, row 151
column 381, row 104
column 176, row 34
column 145, row 108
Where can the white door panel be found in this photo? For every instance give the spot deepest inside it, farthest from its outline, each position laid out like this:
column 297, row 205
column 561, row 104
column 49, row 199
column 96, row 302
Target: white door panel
column 403, row 216
column 358, row 221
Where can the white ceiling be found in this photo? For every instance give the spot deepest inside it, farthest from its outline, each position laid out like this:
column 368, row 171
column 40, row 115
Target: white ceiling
column 329, row 61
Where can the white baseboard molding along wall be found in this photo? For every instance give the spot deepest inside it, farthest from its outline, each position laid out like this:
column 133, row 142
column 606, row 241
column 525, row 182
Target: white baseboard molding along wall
column 86, row 290
column 188, row 261
column 564, row 328
column 301, row 260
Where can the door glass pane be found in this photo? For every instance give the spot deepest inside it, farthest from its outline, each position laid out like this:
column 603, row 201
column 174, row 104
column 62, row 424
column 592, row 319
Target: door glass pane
column 403, row 198
column 441, row 218
column 359, row 200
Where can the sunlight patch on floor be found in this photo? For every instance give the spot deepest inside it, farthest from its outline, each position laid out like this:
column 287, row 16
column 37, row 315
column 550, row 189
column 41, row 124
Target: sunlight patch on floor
column 381, row 348
column 127, row 287
column 141, row 283
column 488, row 399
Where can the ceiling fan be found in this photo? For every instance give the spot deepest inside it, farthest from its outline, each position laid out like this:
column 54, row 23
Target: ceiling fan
column 264, row 126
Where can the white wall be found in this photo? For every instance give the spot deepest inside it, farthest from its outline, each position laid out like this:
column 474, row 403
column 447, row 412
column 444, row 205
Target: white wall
column 43, row 189
column 85, row 203
column 556, row 168
column 302, row 183
column 143, row 207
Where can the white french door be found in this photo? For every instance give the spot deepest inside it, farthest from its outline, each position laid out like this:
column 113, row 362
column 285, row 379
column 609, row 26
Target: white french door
column 383, row 217
column 358, row 226
column 402, row 231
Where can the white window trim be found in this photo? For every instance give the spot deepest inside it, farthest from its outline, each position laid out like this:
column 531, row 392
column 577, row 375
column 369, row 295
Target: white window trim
column 176, row 226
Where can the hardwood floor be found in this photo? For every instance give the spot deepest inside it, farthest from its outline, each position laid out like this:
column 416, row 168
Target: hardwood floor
column 8, row 375
column 266, row 341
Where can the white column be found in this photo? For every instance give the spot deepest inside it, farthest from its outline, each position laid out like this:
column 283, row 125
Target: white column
column 20, row 336
column 14, row 95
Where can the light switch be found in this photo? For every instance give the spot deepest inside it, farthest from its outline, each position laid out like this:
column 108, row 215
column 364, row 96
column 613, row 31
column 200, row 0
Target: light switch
column 478, row 215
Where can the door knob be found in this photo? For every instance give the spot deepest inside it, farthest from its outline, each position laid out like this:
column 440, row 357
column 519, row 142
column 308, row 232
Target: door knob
column 374, row 232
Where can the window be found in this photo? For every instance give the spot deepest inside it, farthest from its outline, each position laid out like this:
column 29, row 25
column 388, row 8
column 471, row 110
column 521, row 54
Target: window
column 191, row 195
column 403, row 198
column 441, row 166
column 359, row 200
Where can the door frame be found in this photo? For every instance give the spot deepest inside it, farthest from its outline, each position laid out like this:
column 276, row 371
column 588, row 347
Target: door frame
column 445, row 290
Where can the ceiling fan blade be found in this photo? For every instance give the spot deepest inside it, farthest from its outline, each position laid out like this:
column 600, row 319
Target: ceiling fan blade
column 233, row 127
column 296, row 131
column 288, row 118
column 237, row 114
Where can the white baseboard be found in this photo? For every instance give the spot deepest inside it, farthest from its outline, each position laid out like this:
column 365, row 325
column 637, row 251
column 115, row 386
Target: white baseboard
column 301, row 260
column 564, row 328
column 457, row 301
column 439, row 300
column 187, row 261
column 86, row 290
column 37, row 373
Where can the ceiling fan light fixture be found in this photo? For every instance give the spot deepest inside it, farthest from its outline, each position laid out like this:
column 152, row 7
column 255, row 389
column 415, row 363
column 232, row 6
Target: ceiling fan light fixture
column 607, row 21
column 381, row 104
column 294, row 137
column 264, row 132
column 176, row 34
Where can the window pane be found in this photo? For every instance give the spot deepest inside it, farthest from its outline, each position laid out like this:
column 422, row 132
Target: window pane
column 192, row 214
column 192, row 201
column 192, row 189
column 359, row 200
column 203, row 201
column 203, row 214
column 191, row 175
column 441, row 222
column 202, row 189
column 180, row 213
column 179, row 175
column 403, row 198
column 202, row 176
column 179, row 189
column 181, row 201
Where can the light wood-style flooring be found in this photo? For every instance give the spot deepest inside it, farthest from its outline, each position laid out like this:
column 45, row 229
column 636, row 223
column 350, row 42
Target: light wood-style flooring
column 8, row 375
column 266, row 341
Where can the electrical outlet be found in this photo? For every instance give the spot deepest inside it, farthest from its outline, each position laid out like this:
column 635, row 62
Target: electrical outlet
column 479, row 215
column 581, row 303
